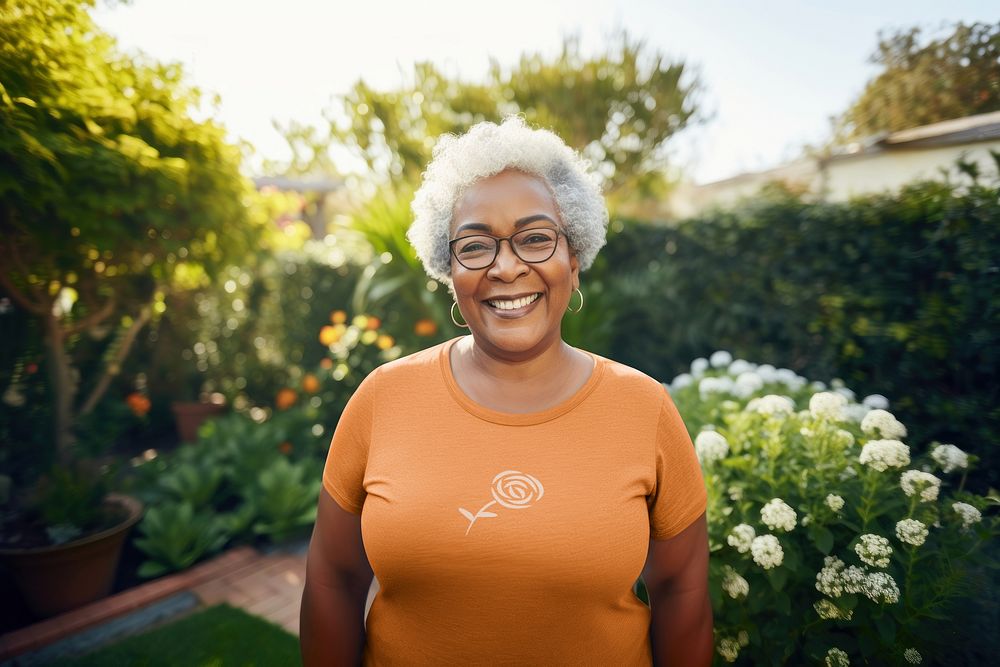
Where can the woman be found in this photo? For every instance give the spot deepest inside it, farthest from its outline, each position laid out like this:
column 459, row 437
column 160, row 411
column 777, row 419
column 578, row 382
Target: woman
column 509, row 488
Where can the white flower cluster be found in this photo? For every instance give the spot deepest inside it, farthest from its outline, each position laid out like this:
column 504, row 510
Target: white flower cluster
column 733, row 584
column 844, row 438
column 720, row 358
column 777, row 514
column 767, row 551
column 681, row 381
column 836, row 579
column 741, row 537
column 911, row 531
column 837, row 658
column 710, row 446
column 715, row 385
column 829, row 611
column 881, row 587
column 829, row 580
column 874, row 550
column 834, row 502
column 912, row 656
column 828, row 405
column 883, row 424
column 856, row 412
column 740, row 366
column 884, row 454
column 729, row 649
column 967, row 513
column 772, row 404
column 924, row 483
column 950, row 458
column 747, row 383
column 875, row 402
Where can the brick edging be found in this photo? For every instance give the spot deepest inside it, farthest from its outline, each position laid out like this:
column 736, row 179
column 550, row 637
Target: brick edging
column 55, row 628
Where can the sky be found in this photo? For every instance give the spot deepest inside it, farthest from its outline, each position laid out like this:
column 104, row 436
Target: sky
column 773, row 72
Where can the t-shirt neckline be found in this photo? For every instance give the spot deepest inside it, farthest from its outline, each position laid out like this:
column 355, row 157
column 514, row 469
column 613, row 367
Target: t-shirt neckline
column 516, row 418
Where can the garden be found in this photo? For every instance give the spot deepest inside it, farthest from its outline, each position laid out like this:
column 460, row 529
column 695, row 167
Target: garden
column 179, row 345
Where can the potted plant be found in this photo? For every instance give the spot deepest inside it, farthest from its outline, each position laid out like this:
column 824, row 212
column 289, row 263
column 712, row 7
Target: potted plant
column 115, row 198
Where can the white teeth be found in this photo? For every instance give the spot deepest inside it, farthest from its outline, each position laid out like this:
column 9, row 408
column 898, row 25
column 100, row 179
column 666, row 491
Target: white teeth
column 515, row 304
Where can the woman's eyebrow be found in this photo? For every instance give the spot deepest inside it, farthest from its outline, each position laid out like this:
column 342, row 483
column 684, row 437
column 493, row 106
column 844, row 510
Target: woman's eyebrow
column 517, row 223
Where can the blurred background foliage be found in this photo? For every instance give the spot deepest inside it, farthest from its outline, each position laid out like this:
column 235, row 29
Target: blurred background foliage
column 619, row 108
column 923, row 82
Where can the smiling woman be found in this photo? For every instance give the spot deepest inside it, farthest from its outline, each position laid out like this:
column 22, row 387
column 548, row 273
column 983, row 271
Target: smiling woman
column 592, row 474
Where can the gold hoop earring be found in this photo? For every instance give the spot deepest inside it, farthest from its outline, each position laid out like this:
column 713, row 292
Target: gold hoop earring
column 457, row 323
column 581, row 302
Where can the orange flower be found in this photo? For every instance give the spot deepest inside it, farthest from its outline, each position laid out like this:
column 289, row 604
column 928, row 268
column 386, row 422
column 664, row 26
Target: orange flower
column 425, row 327
column 384, row 342
column 373, row 322
column 285, row 448
column 138, row 403
column 326, row 363
column 329, row 335
column 286, row 398
column 310, row 384
column 338, row 317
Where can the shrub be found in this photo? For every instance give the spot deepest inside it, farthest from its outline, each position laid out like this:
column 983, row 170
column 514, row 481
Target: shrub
column 828, row 534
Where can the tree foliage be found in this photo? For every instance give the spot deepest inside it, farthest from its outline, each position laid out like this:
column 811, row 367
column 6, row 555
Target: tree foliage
column 110, row 193
column 620, row 108
column 927, row 82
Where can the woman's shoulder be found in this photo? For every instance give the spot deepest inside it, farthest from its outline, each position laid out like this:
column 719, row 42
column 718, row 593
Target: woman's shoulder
column 631, row 381
column 410, row 366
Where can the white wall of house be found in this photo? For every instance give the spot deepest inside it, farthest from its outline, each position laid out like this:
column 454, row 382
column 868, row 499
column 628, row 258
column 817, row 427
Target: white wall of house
column 884, row 165
column 852, row 175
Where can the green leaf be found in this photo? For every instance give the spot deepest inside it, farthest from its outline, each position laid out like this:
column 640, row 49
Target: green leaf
column 821, row 537
column 886, row 627
column 151, row 568
column 778, row 576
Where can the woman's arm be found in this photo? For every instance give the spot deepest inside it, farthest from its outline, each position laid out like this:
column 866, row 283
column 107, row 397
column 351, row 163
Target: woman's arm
column 331, row 620
column 676, row 577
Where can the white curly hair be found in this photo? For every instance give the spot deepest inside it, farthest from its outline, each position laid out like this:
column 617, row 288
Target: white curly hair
column 486, row 150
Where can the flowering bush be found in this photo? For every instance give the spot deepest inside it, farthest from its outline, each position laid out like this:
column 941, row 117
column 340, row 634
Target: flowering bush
column 832, row 541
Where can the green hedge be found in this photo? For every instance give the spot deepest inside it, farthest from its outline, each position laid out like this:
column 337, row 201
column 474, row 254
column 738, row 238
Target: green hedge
column 895, row 294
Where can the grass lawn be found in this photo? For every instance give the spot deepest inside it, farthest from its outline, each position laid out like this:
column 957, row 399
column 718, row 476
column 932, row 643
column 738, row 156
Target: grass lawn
column 220, row 636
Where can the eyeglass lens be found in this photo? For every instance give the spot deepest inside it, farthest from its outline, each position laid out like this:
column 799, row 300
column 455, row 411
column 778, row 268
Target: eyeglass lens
column 531, row 245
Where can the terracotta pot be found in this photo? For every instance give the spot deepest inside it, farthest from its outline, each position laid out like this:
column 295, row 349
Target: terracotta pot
column 61, row 577
column 189, row 416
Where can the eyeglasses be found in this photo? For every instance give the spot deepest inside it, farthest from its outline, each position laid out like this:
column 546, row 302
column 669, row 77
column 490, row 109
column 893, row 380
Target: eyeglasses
column 479, row 251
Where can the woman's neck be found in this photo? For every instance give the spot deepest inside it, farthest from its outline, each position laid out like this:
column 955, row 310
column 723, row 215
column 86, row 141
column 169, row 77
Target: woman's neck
column 534, row 366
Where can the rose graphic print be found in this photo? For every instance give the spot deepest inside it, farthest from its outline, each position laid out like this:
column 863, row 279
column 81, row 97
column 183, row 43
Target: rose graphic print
column 511, row 489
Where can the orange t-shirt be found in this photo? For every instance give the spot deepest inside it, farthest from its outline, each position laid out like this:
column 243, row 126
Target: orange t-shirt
column 510, row 539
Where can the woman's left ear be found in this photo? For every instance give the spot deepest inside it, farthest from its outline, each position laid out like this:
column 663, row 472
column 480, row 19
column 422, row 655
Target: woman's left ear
column 574, row 266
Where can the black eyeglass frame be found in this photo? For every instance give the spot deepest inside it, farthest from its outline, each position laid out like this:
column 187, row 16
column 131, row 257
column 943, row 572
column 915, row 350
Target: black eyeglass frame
column 496, row 249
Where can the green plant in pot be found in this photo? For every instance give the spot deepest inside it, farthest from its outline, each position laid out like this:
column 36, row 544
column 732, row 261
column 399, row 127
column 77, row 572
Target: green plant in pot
column 114, row 200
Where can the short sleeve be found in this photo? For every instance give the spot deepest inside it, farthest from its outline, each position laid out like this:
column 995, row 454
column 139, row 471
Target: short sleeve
column 679, row 497
column 344, row 471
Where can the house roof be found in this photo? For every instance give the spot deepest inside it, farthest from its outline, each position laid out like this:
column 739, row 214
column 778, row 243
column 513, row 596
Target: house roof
column 981, row 127
column 958, row 131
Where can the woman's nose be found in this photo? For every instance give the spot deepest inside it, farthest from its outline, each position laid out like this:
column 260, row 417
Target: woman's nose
column 507, row 262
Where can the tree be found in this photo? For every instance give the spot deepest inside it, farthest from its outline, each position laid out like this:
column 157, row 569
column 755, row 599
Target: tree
column 921, row 83
column 619, row 108
column 110, row 194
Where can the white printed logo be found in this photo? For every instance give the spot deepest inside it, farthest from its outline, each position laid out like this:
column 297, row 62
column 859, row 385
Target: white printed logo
column 511, row 489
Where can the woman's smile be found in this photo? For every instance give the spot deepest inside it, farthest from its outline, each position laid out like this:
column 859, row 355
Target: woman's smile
column 513, row 308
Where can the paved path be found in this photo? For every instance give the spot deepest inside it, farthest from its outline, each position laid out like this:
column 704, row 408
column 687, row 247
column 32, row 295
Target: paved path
column 269, row 586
